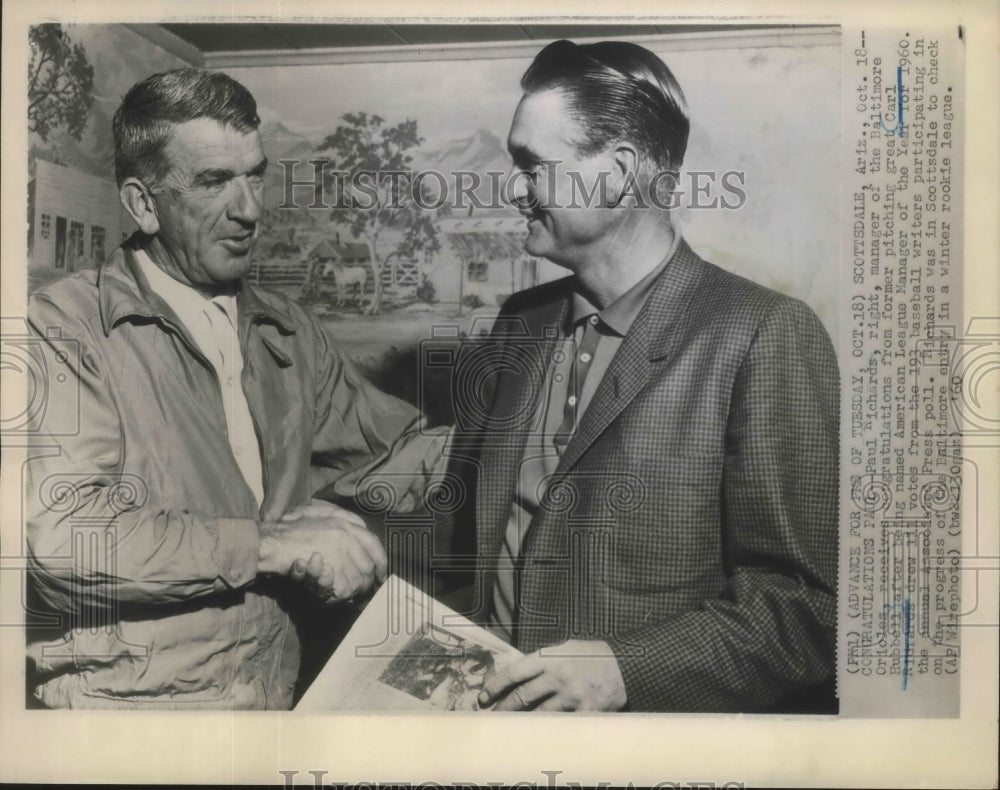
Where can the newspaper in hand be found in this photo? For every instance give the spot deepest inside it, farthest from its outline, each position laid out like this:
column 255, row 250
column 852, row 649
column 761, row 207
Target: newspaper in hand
column 407, row 651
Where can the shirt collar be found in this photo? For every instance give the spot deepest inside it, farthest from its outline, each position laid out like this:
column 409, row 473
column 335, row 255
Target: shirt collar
column 125, row 291
column 621, row 313
column 185, row 300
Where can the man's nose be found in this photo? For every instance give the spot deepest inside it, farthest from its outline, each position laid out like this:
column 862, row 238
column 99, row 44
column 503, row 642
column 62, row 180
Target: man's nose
column 247, row 205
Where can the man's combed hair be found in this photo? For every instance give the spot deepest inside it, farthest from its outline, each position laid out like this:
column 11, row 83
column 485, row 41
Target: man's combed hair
column 616, row 91
column 142, row 124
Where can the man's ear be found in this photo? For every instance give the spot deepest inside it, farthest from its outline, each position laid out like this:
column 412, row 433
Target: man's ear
column 624, row 174
column 138, row 202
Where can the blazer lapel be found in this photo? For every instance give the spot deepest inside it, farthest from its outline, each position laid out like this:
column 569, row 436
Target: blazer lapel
column 518, row 390
column 655, row 335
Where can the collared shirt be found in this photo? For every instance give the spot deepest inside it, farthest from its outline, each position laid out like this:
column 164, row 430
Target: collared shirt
column 137, row 536
column 212, row 322
column 591, row 338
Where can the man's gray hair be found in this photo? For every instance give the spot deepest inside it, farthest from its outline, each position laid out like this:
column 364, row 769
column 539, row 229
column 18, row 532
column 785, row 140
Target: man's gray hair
column 143, row 122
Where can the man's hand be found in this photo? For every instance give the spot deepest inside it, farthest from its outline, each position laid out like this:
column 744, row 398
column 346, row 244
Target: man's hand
column 320, row 508
column 317, row 577
column 326, row 547
column 575, row 675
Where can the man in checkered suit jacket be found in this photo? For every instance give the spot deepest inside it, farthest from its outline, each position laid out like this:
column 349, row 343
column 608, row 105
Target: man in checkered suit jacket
column 654, row 455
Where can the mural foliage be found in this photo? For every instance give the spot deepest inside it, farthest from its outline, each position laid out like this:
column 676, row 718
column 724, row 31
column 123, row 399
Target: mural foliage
column 374, row 197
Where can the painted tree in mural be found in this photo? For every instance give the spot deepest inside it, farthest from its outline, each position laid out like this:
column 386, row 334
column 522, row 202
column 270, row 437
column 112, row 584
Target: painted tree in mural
column 375, row 198
column 60, row 82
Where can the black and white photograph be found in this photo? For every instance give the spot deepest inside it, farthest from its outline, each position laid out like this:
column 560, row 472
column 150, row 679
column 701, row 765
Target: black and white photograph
column 445, row 671
column 305, row 272
column 640, row 345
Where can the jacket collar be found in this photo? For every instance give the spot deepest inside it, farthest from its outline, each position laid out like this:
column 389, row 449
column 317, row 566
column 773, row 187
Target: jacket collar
column 124, row 292
column 664, row 301
column 619, row 316
column 669, row 300
column 655, row 335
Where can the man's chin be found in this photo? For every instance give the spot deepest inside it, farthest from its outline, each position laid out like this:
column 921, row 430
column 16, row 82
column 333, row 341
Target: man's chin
column 241, row 271
column 536, row 245
column 231, row 269
column 547, row 252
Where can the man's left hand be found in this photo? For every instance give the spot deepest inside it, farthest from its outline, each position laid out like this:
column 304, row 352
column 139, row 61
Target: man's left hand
column 316, row 576
column 576, row 675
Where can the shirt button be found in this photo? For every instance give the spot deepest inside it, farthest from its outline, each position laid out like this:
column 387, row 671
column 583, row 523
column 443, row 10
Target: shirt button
column 593, row 320
column 571, row 400
column 585, row 357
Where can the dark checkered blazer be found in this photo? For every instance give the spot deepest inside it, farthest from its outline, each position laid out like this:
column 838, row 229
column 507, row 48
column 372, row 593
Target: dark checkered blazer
column 692, row 522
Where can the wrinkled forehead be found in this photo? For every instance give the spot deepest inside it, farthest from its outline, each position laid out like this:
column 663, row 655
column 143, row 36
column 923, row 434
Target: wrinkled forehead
column 204, row 143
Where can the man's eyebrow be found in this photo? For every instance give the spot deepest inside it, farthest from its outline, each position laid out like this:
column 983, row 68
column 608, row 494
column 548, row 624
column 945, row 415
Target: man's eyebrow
column 521, row 153
column 212, row 175
column 219, row 175
column 259, row 168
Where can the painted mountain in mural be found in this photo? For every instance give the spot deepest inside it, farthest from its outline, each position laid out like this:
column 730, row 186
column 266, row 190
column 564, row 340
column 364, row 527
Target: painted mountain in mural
column 280, row 143
column 481, row 153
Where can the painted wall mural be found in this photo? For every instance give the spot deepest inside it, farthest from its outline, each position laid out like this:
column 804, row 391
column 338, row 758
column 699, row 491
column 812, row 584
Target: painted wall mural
column 769, row 113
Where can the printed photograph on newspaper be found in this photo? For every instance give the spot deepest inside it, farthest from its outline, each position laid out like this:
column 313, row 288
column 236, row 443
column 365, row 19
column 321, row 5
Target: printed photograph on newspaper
column 440, row 663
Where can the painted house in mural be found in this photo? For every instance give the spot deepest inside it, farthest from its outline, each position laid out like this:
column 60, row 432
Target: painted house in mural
column 75, row 220
column 482, row 255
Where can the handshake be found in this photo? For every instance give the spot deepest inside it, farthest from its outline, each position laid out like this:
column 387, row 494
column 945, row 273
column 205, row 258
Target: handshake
column 327, row 548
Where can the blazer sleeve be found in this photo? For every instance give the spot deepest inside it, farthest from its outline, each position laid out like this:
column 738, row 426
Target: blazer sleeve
column 771, row 630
